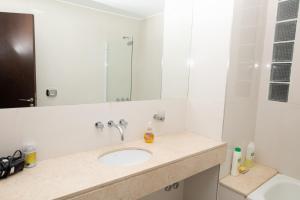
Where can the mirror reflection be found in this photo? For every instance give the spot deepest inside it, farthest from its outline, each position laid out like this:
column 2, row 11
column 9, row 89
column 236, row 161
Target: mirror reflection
column 80, row 51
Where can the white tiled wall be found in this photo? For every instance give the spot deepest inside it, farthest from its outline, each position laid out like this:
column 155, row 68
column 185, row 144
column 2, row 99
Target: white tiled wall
column 243, row 76
column 277, row 135
column 210, row 51
column 64, row 130
column 249, row 115
column 205, row 59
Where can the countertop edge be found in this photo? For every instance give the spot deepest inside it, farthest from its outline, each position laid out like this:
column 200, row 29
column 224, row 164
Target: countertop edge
column 245, row 194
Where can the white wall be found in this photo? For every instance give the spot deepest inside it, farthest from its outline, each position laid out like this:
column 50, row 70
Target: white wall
column 277, row 126
column 274, row 126
column 176, row 48
column 243, row 75
column 147, row 76
column 63, row 130
column 197, row 46
column 183, row 20
column 197, row 39
column 210, row 54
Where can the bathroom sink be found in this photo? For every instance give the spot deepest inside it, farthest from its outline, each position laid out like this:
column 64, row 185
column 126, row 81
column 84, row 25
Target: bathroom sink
column 125, row 157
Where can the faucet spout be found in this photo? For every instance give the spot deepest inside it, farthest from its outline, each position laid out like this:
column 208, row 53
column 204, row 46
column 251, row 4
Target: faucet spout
column 120, row 127
column 121, row 131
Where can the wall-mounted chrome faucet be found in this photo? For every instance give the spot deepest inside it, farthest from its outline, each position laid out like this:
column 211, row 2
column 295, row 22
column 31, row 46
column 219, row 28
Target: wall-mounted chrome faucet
column 120, row 127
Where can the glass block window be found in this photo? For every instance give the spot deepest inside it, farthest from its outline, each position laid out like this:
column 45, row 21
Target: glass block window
column 279, row 92
column 285, row 31
column 281, row 72
column 287, row 10
column 283, row 50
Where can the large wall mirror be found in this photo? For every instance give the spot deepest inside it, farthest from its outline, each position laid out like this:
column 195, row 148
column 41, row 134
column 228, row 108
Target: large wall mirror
column 67, row 52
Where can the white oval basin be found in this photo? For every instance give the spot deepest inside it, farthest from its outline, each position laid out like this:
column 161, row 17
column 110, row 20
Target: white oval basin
column 125, row 157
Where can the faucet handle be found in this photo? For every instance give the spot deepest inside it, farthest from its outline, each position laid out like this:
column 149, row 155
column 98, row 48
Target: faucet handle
column 110, row 123
column 123, row 123
column 99, row 125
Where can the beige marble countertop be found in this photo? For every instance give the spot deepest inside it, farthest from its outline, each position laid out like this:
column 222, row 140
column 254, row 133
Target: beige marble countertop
column 246, row 183
column 76, row 174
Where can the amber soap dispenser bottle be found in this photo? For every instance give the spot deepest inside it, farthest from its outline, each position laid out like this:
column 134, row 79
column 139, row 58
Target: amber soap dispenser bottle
column 149, row 135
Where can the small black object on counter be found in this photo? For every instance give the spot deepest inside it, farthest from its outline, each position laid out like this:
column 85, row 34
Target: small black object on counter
column 12, row 164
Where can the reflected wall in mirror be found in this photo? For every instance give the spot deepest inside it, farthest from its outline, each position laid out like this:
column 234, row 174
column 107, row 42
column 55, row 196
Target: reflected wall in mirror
column 68, row 52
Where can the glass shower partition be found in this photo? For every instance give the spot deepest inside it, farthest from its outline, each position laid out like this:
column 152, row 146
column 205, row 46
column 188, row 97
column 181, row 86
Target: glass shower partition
column 119, row 51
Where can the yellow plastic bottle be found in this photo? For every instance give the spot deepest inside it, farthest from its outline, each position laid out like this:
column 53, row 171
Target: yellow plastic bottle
column 149, row 135
column 30, row 156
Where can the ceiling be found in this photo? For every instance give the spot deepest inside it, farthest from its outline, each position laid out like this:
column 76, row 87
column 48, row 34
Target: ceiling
column 133, row 8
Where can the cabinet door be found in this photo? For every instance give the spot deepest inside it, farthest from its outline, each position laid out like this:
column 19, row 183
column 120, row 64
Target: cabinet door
column 17, row 60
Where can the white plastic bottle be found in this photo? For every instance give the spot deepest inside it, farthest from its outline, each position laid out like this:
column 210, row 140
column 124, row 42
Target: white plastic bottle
column 250, row 155
column 236, row 161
